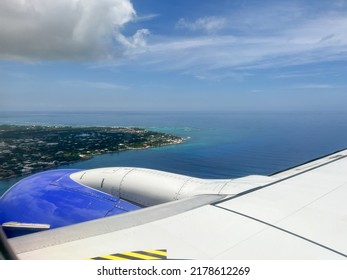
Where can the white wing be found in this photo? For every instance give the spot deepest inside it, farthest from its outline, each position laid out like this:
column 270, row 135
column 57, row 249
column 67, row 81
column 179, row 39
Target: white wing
column 300, row 213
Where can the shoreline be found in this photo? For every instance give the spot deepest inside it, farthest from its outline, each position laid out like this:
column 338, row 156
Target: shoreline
column 25, row 150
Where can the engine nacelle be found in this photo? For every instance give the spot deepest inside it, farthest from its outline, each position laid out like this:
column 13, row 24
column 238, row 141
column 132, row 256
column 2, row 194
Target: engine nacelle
column 148, row 187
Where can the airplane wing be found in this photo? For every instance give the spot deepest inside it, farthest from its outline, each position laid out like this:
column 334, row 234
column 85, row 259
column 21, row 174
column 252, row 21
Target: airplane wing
column 300, row 213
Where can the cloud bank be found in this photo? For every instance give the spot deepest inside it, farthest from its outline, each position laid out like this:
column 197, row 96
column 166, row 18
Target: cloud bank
column 66, row 29
column 235, row 41
column 316, row 39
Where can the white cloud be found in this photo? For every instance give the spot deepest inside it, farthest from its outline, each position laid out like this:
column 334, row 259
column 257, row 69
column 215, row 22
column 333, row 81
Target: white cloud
column 146, row 17
column 208, row 24
column 316, row 39
column 316, row 86
column 65, row 29
column 96, row 85
column 135, row 43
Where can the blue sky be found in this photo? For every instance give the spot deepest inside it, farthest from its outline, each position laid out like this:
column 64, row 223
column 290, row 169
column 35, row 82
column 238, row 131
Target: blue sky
column 173, row 55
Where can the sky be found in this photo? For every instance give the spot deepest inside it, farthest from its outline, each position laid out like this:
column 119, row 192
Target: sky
column 173, row 55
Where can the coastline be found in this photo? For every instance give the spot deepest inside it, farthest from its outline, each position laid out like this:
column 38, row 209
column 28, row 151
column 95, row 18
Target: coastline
column 27, row 149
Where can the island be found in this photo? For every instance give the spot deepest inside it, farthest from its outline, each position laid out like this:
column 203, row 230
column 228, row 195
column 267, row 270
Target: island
column 26, row 149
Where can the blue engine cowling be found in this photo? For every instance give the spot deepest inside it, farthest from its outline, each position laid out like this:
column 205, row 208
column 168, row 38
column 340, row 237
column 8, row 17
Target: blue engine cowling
column 53, row 199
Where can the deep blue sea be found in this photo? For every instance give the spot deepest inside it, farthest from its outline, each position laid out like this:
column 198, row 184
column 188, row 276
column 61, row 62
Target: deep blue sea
column 218, row 145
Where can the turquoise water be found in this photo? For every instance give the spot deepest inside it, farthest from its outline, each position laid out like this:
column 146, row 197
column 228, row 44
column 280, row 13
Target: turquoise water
column 218, row 145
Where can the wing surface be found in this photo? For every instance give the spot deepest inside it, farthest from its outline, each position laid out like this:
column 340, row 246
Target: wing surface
column 300, row 213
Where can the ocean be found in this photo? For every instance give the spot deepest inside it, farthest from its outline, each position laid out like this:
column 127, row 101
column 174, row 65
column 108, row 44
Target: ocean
column 218, row 144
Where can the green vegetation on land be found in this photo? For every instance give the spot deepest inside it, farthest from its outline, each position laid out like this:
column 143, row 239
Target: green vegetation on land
column 28, row 149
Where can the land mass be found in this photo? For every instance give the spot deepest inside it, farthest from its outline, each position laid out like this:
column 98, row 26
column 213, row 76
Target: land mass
column 28, row 149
